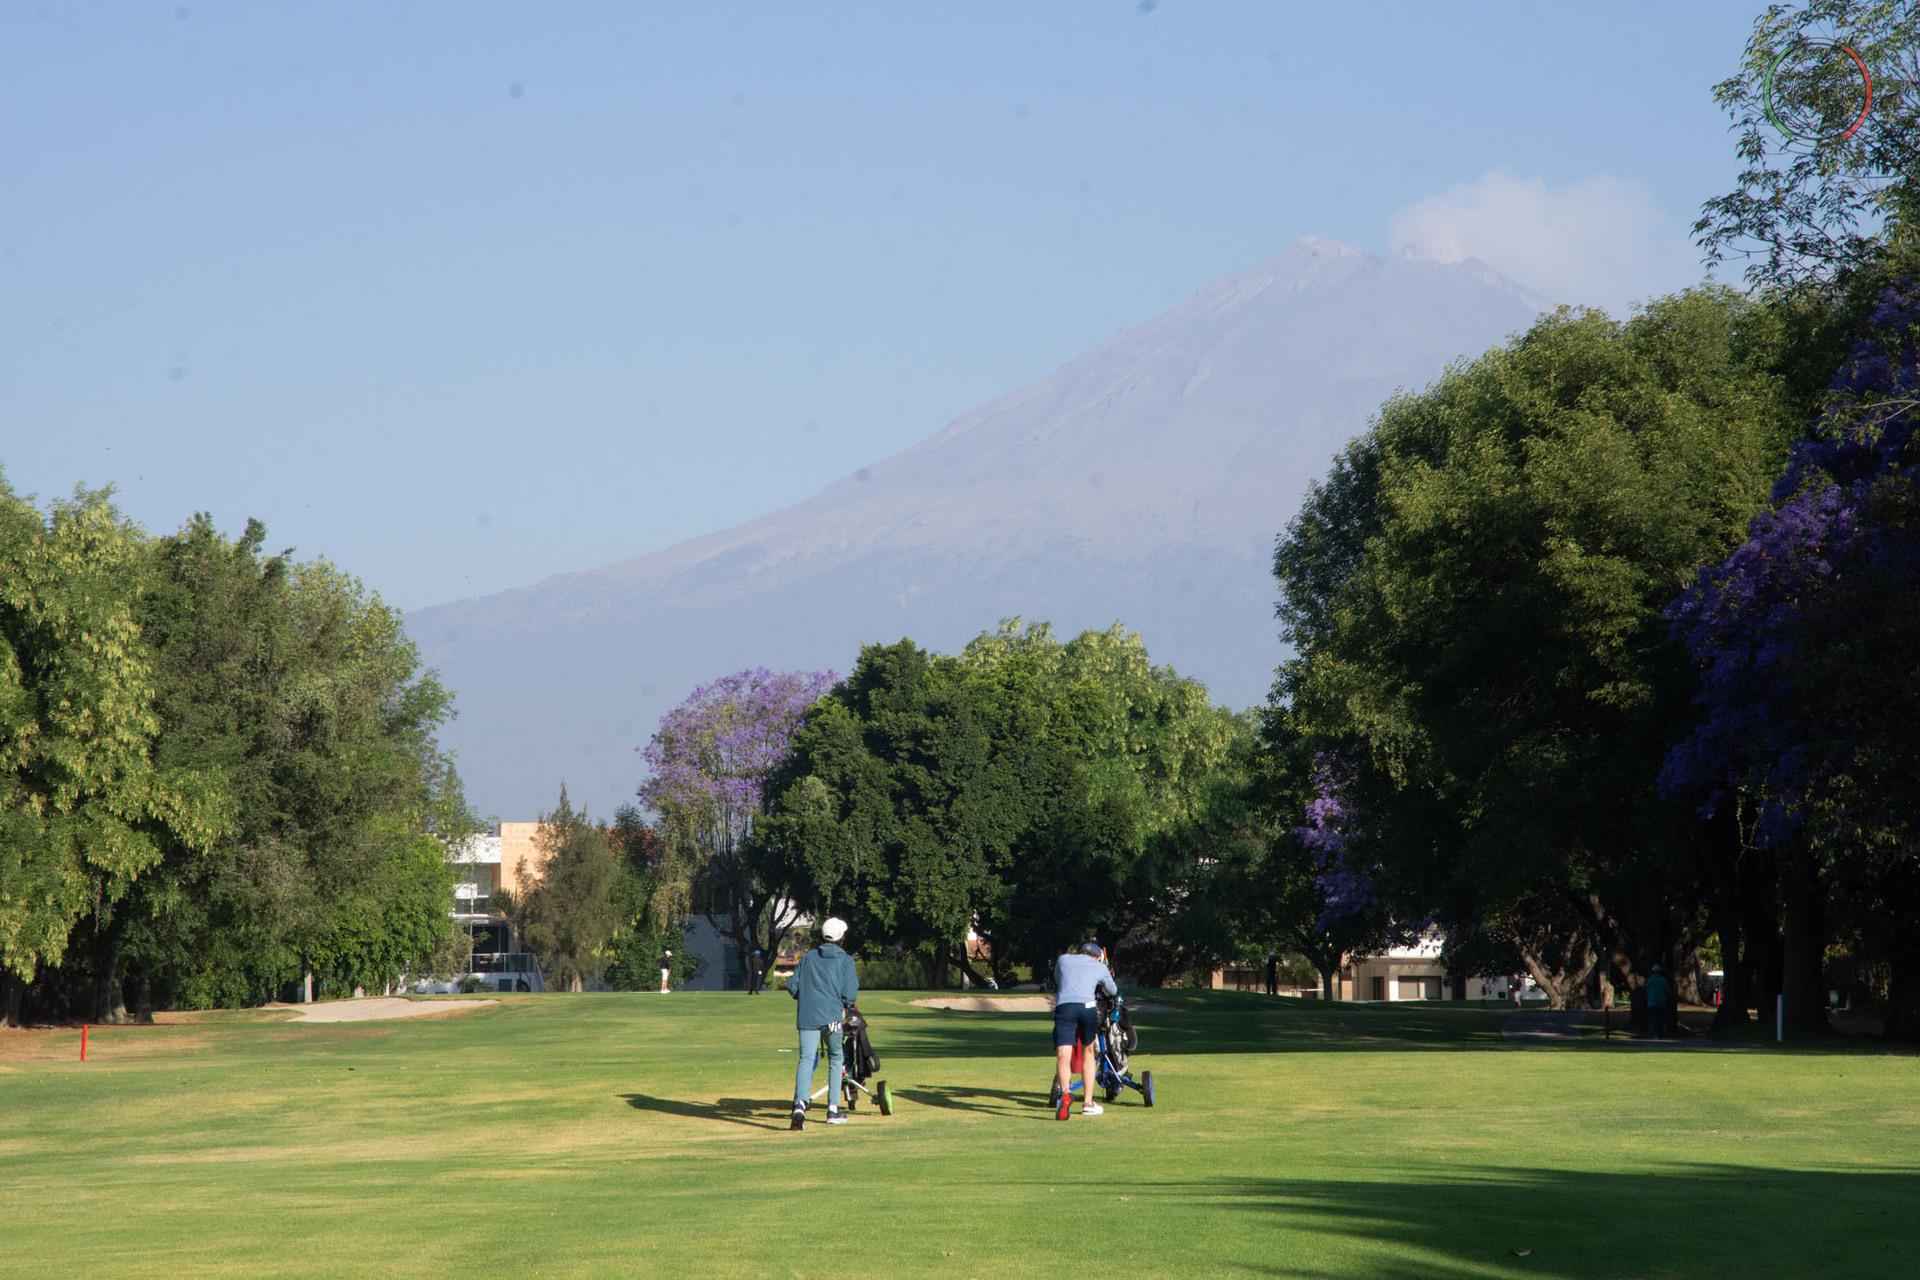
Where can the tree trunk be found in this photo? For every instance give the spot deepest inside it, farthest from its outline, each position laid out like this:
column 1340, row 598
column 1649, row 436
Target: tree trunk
column 1903, row 990
column 1612, row 952
column 1736, row 986
column 1562, row 984
column 1759, row 889
column 13, row 989
column 143, row 1000
column 973, row 974
column 109, row 1002
column 937, row 967
column 1686, row 978
column 1328, row 977
column 1804, row 947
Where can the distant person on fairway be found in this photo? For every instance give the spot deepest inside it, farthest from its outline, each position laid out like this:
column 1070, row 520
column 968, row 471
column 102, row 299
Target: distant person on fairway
column 1659, row 1000
column 825, row 983
column 754, row 967
column 1078, row 978
column 666, row 970
column 1273, row 974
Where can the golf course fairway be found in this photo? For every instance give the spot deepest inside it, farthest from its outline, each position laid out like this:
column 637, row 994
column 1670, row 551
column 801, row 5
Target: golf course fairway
column 620, row 1134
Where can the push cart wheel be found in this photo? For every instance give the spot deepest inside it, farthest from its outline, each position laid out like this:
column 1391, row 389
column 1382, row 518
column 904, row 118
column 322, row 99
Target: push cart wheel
column 1053, row 1097
column 853, row 1098
column 1146, row 1086
column 885, row 1097
column 1112, row 1091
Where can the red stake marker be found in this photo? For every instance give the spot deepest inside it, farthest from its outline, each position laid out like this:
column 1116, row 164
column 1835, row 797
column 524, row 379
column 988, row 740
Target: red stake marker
column 83, row 1042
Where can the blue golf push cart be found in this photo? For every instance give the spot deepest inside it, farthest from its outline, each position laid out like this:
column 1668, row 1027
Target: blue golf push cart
column 1115, row 1043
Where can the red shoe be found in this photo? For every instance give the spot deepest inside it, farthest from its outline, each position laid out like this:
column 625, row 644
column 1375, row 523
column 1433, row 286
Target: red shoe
column 1066, row 1106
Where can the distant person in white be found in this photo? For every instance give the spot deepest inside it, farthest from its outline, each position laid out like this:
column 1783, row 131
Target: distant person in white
column 666, row 970
column 1078, row 978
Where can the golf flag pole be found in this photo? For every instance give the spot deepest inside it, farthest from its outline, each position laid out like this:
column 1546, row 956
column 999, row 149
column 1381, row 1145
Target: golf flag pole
column 83, row 1042
column 1779, row 1019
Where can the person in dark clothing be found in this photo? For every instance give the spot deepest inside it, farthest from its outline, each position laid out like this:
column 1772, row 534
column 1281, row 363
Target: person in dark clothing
column 825, row 983
column 1273, row 974
column 1659, row 1003
column 755, row 968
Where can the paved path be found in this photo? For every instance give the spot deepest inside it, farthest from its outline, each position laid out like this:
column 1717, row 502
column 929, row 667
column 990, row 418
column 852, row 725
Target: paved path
column 376, row 1008
column 1544, row 1026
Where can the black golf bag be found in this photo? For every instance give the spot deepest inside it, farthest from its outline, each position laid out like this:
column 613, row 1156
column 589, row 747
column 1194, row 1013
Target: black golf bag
column 861, row 1063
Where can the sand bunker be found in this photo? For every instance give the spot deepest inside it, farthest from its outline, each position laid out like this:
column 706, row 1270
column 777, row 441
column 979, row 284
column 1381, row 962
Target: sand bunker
column 988, row 1004
column 1017, row 1004
column 376, row 1009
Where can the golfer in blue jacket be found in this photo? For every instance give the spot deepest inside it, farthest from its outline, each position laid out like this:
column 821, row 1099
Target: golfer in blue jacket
column 825, row 984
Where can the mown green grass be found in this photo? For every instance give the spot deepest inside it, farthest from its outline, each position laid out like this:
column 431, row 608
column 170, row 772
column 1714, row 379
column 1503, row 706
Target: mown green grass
column 627, row 1134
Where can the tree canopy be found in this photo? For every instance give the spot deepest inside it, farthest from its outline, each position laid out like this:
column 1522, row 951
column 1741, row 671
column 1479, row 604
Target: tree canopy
column 1034, row 791
column 1475, row 596
column 223, row 766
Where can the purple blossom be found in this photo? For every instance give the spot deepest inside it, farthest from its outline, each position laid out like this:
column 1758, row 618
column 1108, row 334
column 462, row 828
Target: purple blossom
column 1867, row 433
column 1744, row 621
column 713, row 754
column 1345, row 890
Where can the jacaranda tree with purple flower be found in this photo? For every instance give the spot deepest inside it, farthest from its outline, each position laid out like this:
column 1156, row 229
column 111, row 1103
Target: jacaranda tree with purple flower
column 1312, row 892
column 1807, row 638
column 1341, row 913
column 708, row 768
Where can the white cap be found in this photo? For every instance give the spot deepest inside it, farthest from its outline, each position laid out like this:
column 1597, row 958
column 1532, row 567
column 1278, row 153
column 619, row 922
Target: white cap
column 834, row 929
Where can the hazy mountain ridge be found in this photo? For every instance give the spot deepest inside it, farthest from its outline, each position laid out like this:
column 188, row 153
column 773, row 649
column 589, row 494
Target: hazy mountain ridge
column 1144, row 480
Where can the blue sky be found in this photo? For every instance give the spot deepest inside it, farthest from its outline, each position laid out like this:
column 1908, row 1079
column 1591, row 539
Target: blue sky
column 462, row 295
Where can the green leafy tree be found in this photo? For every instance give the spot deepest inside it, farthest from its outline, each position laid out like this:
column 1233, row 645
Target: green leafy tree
column 888, row 811
column 1475, row 597
column 1144, row 785
column 1031, row 790
column 639, row 942
column 84, row 808
column 1830, row 145
column 1269, row 892
column 568, row 916
column 300, row 691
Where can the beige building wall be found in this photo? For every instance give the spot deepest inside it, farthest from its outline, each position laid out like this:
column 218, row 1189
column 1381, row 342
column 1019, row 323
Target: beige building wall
column 517, row 846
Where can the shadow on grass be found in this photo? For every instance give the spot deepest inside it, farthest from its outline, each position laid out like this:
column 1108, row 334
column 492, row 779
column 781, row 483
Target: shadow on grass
column 1209, row 1022
column 1031, row 1104
column 1693, row 1220
column 1246, row 1022
column 752, row 1112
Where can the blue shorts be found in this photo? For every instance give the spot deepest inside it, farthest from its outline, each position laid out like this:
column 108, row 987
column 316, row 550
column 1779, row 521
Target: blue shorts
column 1074, row 1022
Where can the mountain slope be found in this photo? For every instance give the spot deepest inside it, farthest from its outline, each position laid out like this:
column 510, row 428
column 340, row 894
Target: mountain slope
column 1144, row 481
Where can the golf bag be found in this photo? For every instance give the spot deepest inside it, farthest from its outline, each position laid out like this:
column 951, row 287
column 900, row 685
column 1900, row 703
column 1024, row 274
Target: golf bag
column 861, row 1063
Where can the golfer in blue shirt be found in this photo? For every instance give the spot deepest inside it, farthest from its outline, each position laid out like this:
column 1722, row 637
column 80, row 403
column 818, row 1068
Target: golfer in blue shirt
column 1078, row 977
